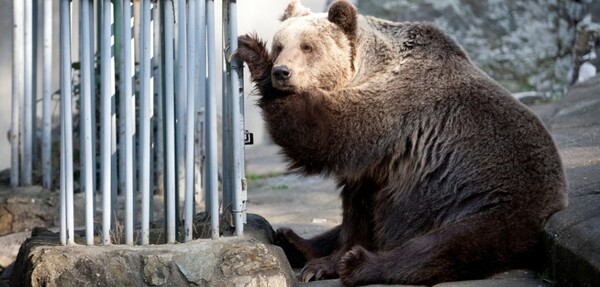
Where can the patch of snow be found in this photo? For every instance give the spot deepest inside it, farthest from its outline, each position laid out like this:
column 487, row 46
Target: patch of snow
column 530, row 94
column 586, row 71
column 590, row 56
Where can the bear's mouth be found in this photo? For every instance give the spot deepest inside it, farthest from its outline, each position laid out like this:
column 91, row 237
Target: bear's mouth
column 282, row 85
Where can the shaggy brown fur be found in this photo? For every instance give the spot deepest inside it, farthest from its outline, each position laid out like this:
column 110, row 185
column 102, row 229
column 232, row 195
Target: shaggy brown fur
column 443, row 175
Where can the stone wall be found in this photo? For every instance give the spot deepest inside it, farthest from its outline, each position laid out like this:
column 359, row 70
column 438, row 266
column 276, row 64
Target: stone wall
column 525, row 45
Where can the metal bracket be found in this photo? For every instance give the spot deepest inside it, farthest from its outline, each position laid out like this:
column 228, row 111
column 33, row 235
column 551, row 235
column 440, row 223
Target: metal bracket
column 248, row 138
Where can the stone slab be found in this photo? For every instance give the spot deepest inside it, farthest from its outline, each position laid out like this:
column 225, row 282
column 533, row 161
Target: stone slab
column 229, row 261
column 572, row 236
column 26, row 207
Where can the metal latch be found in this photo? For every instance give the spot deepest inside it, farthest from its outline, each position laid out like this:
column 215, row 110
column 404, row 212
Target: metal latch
column 248, row 138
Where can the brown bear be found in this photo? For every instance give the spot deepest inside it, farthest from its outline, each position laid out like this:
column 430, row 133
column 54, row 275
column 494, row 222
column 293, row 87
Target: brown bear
column 443, row 174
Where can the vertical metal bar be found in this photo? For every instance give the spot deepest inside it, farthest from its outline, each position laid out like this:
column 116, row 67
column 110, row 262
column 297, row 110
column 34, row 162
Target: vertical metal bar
column 169, row 110
column 180, row 94
column 145, row 100
column 211, row 125
column 158, row 165
column 28, row 98
column 180, row 98
column 126, row 106
column 119, row 155
column 86, row 118
column 93, row 98
column 208, row 78
column 115, row 168
column 200, row 90
column 191, row 107
column 34, row 80
column 47, row 96
column 106, row 89
column 63, row 182
column 235, row 121
column 18, row 85
column 227, row 155
column 98, row 19
column 239, row 67
column 158, row 88
column 81, row 101
column 66, row 123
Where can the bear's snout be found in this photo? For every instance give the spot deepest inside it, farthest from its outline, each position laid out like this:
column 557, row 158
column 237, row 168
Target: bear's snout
column 281, row 72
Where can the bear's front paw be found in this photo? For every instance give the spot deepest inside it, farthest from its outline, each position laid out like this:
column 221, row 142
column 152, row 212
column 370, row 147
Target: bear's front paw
column 253, row 51
column 354, row 266
column 319, row 269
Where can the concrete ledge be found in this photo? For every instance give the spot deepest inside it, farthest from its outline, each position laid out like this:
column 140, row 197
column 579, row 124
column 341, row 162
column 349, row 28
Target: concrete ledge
column 572, row 236
column 572, row 239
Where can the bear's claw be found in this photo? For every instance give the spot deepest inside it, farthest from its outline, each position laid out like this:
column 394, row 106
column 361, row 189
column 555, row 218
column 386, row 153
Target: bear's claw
column 352, row 266
column 319, row 269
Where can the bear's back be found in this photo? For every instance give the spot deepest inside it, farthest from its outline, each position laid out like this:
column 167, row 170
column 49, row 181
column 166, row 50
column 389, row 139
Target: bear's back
column 459, row 131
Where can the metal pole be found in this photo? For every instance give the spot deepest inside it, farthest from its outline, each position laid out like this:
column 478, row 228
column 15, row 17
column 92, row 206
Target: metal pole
column 238, row 69
column 28, row 100
column 126, row 114
column 63, row 181
column 86, row 118
column 235, row 120
column 159, row 92
column 67, row 125
column 181, row 94
column 145, row 100
column 211, row 126
column 200, row 90
column 93, row 97
column 191, row 107
column 18, row 85
column 34, row 80
column 180, row 98
column 169, row 110
column 227, row 155
column 119, row 121
column 158, row 164
column 115, row 175
column 47, row 96
column 106, row 89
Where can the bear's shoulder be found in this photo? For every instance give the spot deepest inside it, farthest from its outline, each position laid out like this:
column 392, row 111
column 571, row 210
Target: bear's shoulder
column 411, row 37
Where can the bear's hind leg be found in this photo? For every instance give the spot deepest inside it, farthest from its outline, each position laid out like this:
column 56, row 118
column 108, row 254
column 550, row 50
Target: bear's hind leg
column 299, row 250
column 354, row 230
column 471, row 248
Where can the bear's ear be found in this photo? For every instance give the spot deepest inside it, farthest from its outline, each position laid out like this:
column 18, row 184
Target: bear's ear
column 294, row 9
column 343, row 14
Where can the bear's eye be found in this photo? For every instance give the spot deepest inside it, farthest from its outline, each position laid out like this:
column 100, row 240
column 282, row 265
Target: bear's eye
column 278, row 48
column 306, row 48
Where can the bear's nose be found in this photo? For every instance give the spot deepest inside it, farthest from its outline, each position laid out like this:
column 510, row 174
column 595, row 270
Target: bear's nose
column 281, row 72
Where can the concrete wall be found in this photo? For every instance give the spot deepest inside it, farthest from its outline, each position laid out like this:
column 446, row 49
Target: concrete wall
column 5, row 79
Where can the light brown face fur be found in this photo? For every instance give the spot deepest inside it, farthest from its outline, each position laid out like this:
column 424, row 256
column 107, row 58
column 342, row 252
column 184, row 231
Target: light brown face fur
column 316, row 52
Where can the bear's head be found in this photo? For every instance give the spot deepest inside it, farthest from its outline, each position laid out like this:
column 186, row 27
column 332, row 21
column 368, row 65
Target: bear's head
column 314, row 50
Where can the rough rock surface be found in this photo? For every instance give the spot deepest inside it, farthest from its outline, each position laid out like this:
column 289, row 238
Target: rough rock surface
column 525, row 45
column 25, row 208
column 573, row 234
column 229, row 261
